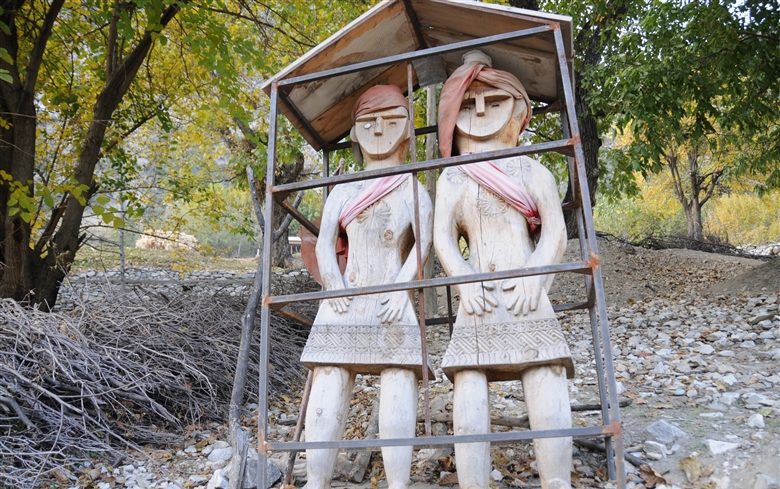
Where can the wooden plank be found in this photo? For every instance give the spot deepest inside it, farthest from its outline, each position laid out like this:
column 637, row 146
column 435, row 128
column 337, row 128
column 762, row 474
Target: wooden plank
column 536, row 69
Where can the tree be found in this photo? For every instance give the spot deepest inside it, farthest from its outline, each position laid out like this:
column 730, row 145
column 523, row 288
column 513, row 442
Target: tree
column 597, row 25
column 696, row 84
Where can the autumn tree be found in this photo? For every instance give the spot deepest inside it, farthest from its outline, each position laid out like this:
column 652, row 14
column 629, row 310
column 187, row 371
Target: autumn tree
column 696, row 85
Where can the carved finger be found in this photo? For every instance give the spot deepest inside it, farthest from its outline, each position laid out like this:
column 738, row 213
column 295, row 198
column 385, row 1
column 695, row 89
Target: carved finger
column 467, row 306
column 508, row 284
column 477, row 306
column 400, row 312
column 519, row 305
column 527, row 304
column 535, row 294
column 490, row 299
column 513, row 300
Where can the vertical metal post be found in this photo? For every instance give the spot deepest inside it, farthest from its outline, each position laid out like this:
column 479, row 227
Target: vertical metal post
column 617, row 472
column 588, row 281
column 265, row 312
column 325, row 174
column 418, row 250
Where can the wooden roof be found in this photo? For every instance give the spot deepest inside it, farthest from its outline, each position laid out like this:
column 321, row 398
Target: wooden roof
column 322, row 108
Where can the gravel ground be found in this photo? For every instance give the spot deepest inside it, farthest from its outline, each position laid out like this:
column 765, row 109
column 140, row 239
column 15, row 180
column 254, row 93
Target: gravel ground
column 695, row 339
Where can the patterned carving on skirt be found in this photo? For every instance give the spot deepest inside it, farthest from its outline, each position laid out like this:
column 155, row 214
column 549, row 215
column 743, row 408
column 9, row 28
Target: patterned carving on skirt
column 512, row 345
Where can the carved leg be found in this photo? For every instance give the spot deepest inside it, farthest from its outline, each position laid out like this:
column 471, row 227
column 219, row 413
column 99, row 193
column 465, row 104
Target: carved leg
column 397, row 419
column 547, row 398
column 326, row 414
column 471, row 415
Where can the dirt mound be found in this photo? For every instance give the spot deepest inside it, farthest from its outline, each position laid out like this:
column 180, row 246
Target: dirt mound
column 758, row 280
column 632, row 274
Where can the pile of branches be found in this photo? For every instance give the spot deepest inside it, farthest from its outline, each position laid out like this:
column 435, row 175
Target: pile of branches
column 126, row 370
column 682, row 242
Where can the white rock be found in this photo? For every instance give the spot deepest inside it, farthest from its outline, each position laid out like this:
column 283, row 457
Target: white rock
column 198, row 479
column 665, row 432
column 218, row 480
column 705, row 349
column 496, row 475
column 717, row 447
column 755, row 420
column 219, row 455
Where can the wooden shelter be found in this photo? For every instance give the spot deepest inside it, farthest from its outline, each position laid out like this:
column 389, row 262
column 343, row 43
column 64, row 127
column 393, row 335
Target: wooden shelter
column 414, row 43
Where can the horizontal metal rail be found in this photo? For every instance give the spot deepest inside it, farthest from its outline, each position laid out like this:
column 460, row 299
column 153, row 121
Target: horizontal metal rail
column 577, row 267
column 434, row 441
column 421, row 53
column 498, row 154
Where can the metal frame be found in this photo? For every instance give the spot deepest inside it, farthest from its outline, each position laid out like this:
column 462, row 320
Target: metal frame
column 610, row 427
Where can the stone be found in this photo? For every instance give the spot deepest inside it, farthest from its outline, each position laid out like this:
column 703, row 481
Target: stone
column 705, row 349
column 272, row 471
column 198, row 479
column 654, row 450
column 665, row 432
column 717, row 447
column 764, row 481
column 220, row 455
column 496, row 475
column 756, row 420
column 218, row 481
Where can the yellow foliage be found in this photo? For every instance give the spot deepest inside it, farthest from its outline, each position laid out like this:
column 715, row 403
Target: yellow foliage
column 744, row 218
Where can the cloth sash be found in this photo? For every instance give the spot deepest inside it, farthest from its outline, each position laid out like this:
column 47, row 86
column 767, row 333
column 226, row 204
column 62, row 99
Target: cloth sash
column 371, row 194
column 492, row 177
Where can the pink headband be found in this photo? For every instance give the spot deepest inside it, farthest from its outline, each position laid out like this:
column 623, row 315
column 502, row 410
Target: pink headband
column 455, row 88
column 378, row 97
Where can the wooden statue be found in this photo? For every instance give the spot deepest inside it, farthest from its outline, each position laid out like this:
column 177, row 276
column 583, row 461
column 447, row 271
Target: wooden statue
column 374, row 334
column 509, row 212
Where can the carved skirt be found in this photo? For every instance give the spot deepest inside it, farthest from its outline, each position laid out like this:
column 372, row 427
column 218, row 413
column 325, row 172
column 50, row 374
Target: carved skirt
column 357, row 341
column 503, row 345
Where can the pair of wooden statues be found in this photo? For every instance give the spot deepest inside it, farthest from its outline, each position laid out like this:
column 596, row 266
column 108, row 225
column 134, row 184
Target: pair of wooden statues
column 509, row 212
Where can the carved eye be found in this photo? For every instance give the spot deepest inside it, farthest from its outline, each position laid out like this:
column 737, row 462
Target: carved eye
column 367, row 125
column 495, row 104
column 393, row 123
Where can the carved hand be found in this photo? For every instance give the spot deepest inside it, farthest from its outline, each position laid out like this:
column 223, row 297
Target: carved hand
column 394, row 307
column 476, row 299
column 524, row 295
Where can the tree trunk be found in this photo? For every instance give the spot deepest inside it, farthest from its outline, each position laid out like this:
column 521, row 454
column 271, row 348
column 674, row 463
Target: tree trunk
column 34, row 274
column 281, row 255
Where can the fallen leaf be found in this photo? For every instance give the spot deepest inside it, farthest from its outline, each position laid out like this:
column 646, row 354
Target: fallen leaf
column 692, row 468
column 650, row 476
column 449, row 480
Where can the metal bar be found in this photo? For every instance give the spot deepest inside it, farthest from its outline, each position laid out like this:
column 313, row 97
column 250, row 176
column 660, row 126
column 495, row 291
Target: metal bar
column 556, row 307
column 420, row 131
column 427, row 165
column 577, row 267
column 301, row 118
column 418, row 252
column 325, row 174
column 310, row 226
column 616, row 470
column 432, row 441
column 450, row 316
column 299, row 426
column 420, row 53
column 265, row 312
column 295, row 316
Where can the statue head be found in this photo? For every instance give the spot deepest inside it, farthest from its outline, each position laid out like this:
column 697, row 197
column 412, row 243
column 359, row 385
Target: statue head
column 380, row 123
column 481, row 103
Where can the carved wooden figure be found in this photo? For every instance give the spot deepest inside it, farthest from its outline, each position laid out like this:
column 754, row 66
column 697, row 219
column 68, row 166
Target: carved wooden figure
column 509, row 212
column 375, row 334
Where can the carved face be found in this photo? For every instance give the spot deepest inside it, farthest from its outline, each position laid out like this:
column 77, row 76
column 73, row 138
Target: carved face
column 379, row 134
column 484, row 112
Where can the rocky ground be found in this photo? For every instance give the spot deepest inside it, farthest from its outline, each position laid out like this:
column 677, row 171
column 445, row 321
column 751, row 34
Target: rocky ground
column 695, row 340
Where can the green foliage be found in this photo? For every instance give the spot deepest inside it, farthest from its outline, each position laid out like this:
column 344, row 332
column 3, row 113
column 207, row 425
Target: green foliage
column 695, row 74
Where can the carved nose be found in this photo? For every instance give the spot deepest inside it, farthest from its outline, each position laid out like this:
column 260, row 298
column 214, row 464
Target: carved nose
column 379, row 126
column 480, row 104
